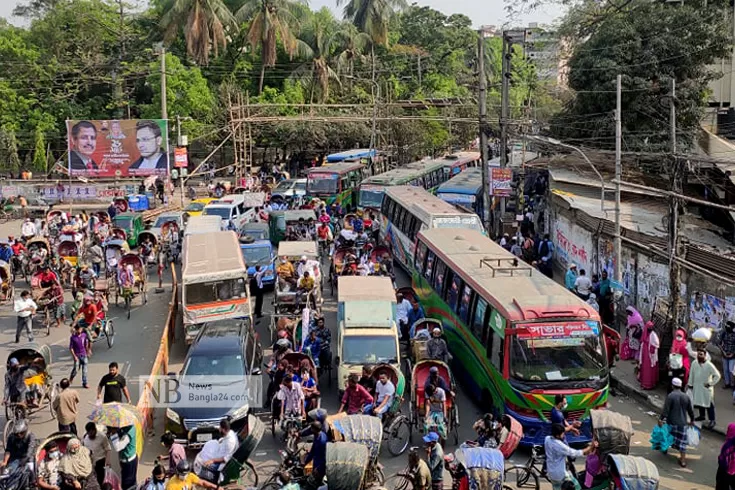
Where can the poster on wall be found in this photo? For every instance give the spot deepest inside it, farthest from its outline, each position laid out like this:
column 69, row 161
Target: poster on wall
column 118, row 148
column 501, row 182
column 707, row 311
column 573, row 245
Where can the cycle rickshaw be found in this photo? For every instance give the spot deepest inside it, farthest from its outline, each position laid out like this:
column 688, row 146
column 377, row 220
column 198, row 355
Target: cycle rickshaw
column 422, row 333
column 297, row 360
column 47, row 297
column 139, row 281
column 121, row 204
column 40, row 391
column 151, row 257
column 347, row 466
column 397, row 427
column 69, row 250
column 338, row 264
column 39, row 250
column 239, row 473
column 170, row 241
column 419, row 375
column 287, row 297
column 118, row 234
column 366, row 431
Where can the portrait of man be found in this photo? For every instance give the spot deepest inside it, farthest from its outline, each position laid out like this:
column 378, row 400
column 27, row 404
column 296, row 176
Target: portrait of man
column 84, row 139
column 148, row 139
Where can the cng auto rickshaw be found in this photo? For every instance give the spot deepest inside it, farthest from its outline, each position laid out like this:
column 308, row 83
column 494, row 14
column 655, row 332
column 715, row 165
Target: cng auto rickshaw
column 284, row 223
column 132, row 223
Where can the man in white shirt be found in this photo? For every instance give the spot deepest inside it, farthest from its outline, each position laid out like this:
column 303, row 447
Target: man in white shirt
column 583, row 285
column 25, row 308
column 402, row 309
column 226, row 447
column 384, row 394
column 28, row 229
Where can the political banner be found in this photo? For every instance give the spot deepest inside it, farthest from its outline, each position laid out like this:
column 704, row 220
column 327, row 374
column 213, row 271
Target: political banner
column 181, row 158
column 119, row 148
column 502, row 178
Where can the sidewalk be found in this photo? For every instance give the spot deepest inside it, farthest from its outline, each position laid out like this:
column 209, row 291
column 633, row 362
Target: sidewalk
column 624, row 381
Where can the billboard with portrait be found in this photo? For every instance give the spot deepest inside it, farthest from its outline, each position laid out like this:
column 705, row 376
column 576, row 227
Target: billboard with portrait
column 118, row 148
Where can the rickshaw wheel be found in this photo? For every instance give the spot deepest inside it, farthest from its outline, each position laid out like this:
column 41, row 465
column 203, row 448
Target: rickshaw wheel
column 398, row 440
column 110, row 333
column 521, row 476
column 8, row 430
column 248, row 477
column 48, row 321
column 128, row 305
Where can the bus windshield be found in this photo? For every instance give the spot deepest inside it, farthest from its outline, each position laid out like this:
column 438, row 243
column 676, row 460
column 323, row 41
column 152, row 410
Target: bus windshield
column 558, row 352
column 323, row 184
column 371, row 197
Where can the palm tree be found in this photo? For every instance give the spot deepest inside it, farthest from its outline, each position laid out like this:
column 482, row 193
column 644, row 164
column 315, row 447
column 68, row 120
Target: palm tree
column 269, row 21
column 372, row 17
column 353, row 46
column 320, row 38
column 205, row 24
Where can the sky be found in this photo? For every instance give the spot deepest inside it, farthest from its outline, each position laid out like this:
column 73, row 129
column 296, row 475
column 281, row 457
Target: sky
column 482, row 12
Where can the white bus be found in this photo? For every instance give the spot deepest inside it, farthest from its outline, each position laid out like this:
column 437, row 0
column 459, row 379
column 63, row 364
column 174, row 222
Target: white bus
column 406, row 210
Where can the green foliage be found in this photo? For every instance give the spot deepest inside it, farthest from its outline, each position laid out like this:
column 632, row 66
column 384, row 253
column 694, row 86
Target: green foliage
column 649, row 44
column 40, row 160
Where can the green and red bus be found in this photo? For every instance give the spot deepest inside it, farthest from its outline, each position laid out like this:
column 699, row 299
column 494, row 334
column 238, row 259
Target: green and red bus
column 336, row 183
column 517, row 338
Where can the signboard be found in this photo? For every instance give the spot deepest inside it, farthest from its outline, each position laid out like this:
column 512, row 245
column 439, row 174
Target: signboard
column 557, row 330
column 181, row 158
column 125, row 148
column 452, row 197
column 501, row 181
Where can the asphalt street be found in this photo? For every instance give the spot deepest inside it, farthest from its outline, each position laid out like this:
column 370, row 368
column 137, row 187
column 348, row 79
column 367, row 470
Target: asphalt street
column 136, row 344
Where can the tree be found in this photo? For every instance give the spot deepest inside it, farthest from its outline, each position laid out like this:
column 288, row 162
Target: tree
column 269, row 21
column 320, row 38
column 205, row 24
column 649, row 44
column 353, row 45
column 40, row 160
column 9, row 150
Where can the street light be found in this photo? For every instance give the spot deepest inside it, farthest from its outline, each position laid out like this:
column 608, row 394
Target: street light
column 556, row 142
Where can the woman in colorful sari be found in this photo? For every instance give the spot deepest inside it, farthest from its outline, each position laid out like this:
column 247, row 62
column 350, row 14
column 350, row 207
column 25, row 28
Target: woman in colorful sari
column 725, row 479
column 632, row 343
column 679, row 360
column 648, row 358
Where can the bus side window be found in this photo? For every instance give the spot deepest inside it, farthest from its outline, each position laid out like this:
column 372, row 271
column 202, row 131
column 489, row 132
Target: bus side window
column 384, row 206
column 412, row 228
column 419, row 257
column 440, row 277
column 429, row 266
column 479, row 319
column 463, row 310
column 344, row 184
column 391, row 209
column 455, row 286
column 400, row 214
column 495, row 347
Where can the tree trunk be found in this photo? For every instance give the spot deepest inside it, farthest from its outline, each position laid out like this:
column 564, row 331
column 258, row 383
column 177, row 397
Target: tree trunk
column 262, row 77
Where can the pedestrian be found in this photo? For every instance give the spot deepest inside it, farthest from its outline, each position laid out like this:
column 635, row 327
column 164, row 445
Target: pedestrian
column 96, row 256
column 557, row 451
column 435, row 457
column 648, row 358
column 403, row 306
column 25, row 308
column 571, row 277
column 65, row 405
column 415, row 314
column 114, row 385
column 157, row 480
column 175, row 452
column 79, row 346
column 259, row 290
column 633, row 335
column 702, row 379
column 123, row 440
column 545, row 254
column 420, row 471
column 678, row 414
column 515, row 249
column 558, row 417
column 726, row 343
column 100, row 447
column 583, row 285
column 317, row 455
column 725, row 479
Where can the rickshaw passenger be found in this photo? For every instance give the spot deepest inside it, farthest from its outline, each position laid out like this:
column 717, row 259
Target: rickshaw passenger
column 313, row 345
column 77, row 472
column 355, row 397
column 48, row 470
column 436, row 380
column 435, row 400
column 19, row 450
column 286, row 272
column 146, row 248
column 309, row 387
column 127, row 277
column 436, row 348
column 385, row 391
column 87, row 276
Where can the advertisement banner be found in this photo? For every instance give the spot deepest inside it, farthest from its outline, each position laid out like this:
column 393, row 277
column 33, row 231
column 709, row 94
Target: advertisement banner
column 124, row 148
column 181, row 159
column 501, row 180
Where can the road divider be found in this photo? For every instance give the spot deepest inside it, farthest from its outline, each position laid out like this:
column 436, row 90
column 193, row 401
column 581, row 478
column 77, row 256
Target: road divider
column 160, row 364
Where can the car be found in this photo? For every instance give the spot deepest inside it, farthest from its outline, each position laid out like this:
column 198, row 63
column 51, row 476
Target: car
column 222, row 350
column 196, row 206
column 161, row 219
column 290, row 188
column 259, row 253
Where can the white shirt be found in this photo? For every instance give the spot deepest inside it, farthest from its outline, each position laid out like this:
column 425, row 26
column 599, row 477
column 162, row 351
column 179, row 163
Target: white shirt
column 227, row 446
column 583, row 285
column 402, row 310
column 557, row 453
column 21, row 303
column 384, row 390
column 28, row 228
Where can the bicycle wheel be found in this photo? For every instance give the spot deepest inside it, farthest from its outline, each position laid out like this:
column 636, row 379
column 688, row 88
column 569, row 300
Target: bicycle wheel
column 248, row 477
column 7, row 431
column 399, row 432
column 48, row 321
column 128, row 304
column 399, row 481
column 521, row 477
column 274, row 485
column 110, row 335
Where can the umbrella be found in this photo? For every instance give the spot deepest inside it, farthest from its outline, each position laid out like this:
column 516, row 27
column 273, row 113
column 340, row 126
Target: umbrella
column 115, row 415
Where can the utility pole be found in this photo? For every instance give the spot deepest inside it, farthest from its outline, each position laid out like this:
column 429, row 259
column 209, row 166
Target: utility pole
column 486, row 196
column 164, row 108
column 504, row 114
column 178, row 145
column 618, row 176
column 677, row 185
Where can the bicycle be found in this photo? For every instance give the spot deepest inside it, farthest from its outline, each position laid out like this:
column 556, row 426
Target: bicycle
column 291, row 464
column 528, row 475
column 15, row 412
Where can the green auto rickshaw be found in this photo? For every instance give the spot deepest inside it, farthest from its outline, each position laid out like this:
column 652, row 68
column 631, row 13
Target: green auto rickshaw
column 302, row 222
column 131, row 223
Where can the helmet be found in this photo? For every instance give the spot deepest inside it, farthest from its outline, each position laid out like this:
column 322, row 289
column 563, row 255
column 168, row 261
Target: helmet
column 20, row 427
column 182, row 468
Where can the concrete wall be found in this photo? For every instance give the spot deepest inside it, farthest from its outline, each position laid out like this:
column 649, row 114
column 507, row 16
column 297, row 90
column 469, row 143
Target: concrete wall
column 573, row 243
